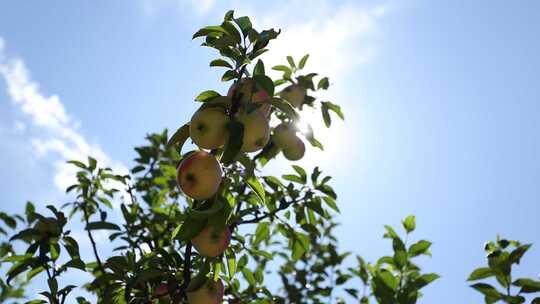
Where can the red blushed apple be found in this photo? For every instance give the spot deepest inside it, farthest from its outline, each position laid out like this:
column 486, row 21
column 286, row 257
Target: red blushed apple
column 199, row 175
column 296, row 151
column 285, row 135
column 211, row 242
column 208, row 128
column 256, row 130
column 251, row 93
column 210, row 293
column 161, row 290
column 294, row 94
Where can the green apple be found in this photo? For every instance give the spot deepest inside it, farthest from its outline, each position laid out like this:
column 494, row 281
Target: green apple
column 256, row 130
column 284, row 135
column 209, row 293
column 199, row 175
column 296, row 151
column 294, row 94
column 212, row 242
column 208, row 128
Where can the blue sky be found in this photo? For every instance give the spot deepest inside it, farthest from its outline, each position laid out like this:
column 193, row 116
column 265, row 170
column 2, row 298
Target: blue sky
column 442, row 102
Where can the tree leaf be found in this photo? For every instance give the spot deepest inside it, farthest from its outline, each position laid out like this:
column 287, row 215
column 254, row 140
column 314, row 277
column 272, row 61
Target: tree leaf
column 409, row 223
column 102, row 225
column 220, row 63
column 234, row 143
column 481, row 273
column 303, row 61
column 418, row 248
column 207, row 96
column 256, row 186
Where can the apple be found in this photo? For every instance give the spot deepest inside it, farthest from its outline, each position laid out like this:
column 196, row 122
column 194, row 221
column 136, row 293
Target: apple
column 211, row 242
column 199, row 175
column 161, row 290
column 284, row 135
column 256, row 130
column 208, row 128
column 294, row 94
column 47, row 227
column 251, row 92
column 210, row 292
column 296, row 151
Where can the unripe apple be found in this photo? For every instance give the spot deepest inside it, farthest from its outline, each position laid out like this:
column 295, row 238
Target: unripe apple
column 285, row 135
column 199, row 175
column 208, row 128
column 47, row 227
column 296, row 151
column 211, row 242
column 256, row 130
column 210, row 293
column 294, row 94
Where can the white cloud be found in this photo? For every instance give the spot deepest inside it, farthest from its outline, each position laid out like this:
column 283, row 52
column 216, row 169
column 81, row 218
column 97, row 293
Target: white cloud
column 58, row 133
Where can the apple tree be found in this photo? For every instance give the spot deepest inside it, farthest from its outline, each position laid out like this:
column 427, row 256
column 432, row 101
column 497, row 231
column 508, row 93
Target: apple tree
column 204, row 223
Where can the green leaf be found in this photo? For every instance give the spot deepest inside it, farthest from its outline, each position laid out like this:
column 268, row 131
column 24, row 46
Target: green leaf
column 487, row 290
column 481, row 273
column 326, row 116
column 231, row 265
column 190, row 228
column 244, row 24
column 409, row 223
column 77, row 163
column 388, row 279
column 102, row 225
column 259, row 68
column 323, row 84
column 207, row 96
column 261, row 233
column 232, row 31
column 282, row 68
column 215, row 207
column 256, row 186
column 234, row 144
column 220, row 63
column 331, row 203
column 517, row 254
column 148, row 274
column 527, row 285
column 248, row 275
column 418, row 248
column 265, row 83
column 425, row 279
column 285, row 107
column 208, row 30
column 92, row 163
column 228, row 75
column 301, row 172
column 303, row 61
column 334, row 108
column 291, row 61
column 293, row 178
column 390, row 233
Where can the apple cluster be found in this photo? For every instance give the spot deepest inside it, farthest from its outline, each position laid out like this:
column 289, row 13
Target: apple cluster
column 200, row 173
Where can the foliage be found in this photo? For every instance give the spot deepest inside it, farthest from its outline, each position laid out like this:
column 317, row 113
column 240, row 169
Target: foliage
column 502, row 255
